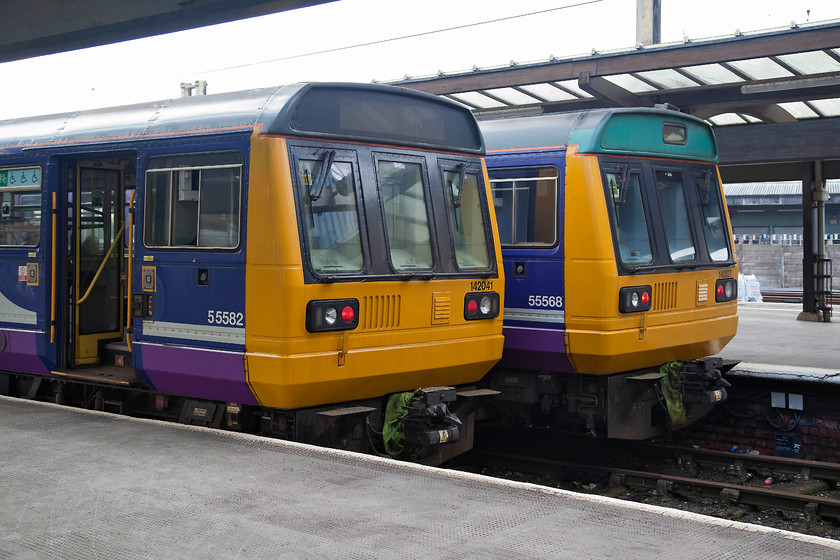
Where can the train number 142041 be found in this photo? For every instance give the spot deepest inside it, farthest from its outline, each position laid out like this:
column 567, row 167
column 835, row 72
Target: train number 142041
column 481, row 285
column 545, row 301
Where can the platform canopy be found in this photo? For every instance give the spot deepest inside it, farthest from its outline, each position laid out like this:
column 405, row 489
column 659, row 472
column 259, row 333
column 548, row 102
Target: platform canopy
column 39, row 27
column 788, row 78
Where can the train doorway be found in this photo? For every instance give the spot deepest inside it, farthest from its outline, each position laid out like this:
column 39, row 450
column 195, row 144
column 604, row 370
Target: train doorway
column 96, row 249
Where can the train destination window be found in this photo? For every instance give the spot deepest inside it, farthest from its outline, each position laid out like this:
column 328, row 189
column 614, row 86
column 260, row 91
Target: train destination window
column 629, row 221
column 403, row 198
column 466, row 220
column 526, row 206
column 20, row 206
column 331, row 221
column 672, row 206
column 714, row 226
column 194, row 201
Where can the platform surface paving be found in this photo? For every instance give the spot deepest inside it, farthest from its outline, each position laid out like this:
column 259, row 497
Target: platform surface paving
column 79, row 484
column 772, row 343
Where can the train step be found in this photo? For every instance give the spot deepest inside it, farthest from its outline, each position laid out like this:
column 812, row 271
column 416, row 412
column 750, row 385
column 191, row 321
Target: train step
column 107, row 374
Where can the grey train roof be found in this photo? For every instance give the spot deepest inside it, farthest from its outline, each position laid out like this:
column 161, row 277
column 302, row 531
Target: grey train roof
column 272, row 107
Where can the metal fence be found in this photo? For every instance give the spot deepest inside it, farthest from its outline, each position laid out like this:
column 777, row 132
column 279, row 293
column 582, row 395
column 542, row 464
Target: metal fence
column 780, row 239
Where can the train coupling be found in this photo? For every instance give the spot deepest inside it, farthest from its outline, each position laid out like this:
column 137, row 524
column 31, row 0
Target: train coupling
column 702, row 381
column 428, row 420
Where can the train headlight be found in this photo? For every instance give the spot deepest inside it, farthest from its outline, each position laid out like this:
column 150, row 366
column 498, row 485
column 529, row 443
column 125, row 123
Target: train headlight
column 634, row 299
column 481, row 305
column 330, row 315
column 726, row 289
column 485, row 306
column 324, row 315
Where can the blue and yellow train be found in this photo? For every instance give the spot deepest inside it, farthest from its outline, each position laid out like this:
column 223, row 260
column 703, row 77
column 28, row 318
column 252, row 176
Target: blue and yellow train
column 621, row 277
column 279, row 260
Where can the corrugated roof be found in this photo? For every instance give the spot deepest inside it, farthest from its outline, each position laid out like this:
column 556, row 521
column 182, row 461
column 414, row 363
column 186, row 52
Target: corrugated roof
column 775, row 188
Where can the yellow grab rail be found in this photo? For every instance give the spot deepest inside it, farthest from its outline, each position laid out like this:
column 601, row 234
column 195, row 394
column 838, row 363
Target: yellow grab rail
column 117, row 238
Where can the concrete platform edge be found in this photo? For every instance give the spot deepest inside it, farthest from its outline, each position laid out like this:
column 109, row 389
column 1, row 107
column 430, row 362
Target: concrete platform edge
column 652, row 509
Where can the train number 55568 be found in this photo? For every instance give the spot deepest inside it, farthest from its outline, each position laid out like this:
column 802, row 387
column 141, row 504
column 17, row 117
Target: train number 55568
column 545, row 301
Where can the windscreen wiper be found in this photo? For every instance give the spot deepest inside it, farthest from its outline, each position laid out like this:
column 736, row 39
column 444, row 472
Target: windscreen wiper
column 316, row 191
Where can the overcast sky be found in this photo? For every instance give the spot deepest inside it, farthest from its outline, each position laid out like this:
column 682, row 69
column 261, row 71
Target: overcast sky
column 365, row 40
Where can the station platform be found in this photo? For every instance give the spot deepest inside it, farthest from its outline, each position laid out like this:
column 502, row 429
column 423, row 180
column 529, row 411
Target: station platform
column 83, row 484
column 771, row 343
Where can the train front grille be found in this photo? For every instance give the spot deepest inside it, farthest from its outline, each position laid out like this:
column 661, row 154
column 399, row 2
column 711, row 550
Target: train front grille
column 380, row 312
column 664, row 296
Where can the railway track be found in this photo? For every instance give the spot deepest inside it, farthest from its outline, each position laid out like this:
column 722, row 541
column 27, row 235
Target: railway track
column 736, row 492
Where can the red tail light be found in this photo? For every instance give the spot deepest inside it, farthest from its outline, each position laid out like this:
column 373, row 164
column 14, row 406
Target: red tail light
column 324, row 315
column 633, row 299
column 481, row 305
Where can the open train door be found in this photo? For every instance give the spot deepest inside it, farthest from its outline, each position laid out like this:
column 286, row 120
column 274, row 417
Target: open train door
column 96, row 242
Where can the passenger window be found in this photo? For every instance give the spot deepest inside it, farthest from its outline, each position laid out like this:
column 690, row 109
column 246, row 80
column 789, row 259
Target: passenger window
column 194, row 201
column 404, row 206
column 332, row 222
column 714, row 224
column 526, row 206
column 669, row 188
column 629, row 221
column 466, row 220
column 20, row 206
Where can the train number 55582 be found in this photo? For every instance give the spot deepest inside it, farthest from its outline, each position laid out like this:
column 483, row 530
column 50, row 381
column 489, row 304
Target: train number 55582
column 231, row 318
column 545, row 301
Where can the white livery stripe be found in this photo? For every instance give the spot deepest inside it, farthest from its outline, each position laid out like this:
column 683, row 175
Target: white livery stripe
column 537, row 315
column 186, row 331
column 12, row 313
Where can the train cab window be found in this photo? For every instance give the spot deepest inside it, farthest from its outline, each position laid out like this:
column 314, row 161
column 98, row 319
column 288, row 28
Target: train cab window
column 466, row 219
column 714, row 224
column 194, row 201
column 526, row 205
column 674, row 212
column 629, row 221
column 331, row 221
column 403, row 197
column 20, row 206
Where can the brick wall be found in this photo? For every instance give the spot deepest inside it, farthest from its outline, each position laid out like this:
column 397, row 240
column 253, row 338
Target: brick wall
column 747, row 419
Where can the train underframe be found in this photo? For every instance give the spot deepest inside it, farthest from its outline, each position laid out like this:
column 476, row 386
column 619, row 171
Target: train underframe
column 435, row 423
column 633, row 405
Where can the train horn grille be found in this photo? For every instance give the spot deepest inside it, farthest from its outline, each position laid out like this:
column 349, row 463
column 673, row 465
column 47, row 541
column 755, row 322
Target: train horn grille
column 380, row 312
column 664, row 296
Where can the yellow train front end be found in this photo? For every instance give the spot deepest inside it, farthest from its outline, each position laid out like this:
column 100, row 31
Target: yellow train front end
column 406, row 334
column 373, row 284
column 612, row 325
column 685, row 317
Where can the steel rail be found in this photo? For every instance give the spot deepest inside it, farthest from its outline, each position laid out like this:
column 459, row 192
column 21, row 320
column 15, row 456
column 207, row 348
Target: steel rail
column 671, row 484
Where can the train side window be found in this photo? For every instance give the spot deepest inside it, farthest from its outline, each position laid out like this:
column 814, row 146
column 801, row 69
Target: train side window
column 332, row 220
column 466, row 219
column 714, row 224
column 20, row 206
column 629, row 220
column 526, row 206
column 194, row 201
column 674, row 212
column 403, row 198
